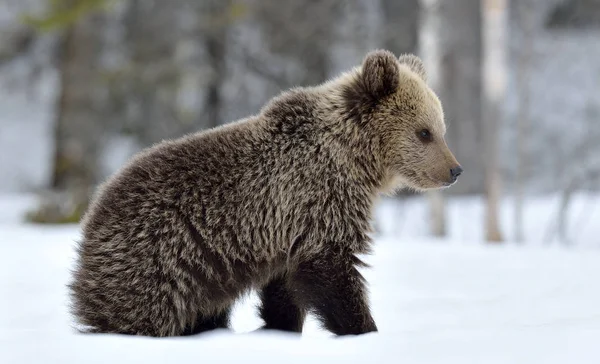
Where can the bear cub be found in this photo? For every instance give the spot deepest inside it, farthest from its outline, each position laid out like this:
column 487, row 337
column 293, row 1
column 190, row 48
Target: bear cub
column 279, row 202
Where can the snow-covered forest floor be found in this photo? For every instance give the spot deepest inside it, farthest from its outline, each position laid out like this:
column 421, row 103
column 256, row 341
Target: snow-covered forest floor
column 435, row 301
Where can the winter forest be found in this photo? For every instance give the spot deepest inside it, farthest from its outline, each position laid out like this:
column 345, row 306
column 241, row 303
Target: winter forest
column 501, row 267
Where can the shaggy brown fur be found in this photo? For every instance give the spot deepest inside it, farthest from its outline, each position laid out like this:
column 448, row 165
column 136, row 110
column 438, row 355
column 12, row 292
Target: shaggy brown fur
column 278, row 202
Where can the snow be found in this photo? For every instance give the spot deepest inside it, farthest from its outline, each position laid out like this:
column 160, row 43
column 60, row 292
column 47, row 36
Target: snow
column 434, row 301
column 465, row 216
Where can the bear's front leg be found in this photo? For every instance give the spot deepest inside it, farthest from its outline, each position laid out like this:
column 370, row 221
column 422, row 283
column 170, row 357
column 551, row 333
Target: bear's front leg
column 335, row 291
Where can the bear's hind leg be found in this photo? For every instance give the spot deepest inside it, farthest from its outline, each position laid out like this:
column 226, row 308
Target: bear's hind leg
column 278, row 309
column 208, row 323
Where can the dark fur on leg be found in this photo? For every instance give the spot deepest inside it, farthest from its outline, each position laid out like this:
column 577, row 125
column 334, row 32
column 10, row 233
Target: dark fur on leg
column 278, row 309
column 204, row 324
column 335, row 291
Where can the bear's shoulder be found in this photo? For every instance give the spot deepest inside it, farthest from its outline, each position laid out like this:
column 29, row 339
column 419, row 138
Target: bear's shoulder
column 294, row 103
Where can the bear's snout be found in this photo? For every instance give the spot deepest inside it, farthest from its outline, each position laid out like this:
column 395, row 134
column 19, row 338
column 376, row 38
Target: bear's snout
column 455, row 172
column 447, row 169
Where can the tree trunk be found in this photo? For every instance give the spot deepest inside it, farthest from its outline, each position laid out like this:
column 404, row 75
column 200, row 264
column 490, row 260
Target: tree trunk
column 430, row 47
column 78, row 130
column 401, row 25
column 524, row 11
column 494, row 15
column 461, row 92
column 215, row 47
column 214, row 21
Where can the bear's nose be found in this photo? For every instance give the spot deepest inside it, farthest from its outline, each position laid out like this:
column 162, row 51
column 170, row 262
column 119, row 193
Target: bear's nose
column 455, row 172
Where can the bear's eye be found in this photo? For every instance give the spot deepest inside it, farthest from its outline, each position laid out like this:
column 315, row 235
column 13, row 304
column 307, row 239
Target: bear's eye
column 425, row 135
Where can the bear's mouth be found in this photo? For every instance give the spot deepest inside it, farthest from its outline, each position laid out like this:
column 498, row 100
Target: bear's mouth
column 437, row 182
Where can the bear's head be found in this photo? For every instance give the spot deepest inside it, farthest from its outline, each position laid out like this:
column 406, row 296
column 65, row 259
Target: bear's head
column 391, row 96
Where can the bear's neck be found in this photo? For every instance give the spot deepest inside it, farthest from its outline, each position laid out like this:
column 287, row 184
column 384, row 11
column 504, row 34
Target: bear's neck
column 361, row 147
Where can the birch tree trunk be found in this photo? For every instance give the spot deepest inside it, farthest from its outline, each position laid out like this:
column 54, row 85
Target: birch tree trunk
column 494, row 15
column 430, row 49
column 524, row 17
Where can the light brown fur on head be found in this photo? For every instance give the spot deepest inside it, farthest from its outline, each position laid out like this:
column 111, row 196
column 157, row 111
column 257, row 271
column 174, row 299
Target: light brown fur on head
column 400, row 109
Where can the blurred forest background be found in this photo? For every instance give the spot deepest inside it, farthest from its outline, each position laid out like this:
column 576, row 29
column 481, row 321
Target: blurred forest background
column 84, row 84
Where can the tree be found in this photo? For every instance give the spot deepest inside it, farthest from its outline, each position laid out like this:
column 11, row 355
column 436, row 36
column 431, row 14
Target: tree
column 216, row 17
column 524, row 12
column 450, row 58
column 494, row 16
column 400, row 25
column 430, row 48
column 78, row 127
column 462, row 89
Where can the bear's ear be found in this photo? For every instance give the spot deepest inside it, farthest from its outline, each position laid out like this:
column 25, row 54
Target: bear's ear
column 380, row 73
column 415, row 64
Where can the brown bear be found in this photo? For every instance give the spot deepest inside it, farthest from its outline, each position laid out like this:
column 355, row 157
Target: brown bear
column 279, row 202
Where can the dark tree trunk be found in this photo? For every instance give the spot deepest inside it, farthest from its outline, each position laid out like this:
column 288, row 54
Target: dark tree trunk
column 78, row 129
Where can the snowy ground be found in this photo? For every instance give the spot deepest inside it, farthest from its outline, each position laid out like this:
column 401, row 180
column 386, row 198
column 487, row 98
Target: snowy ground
column 434, row 302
